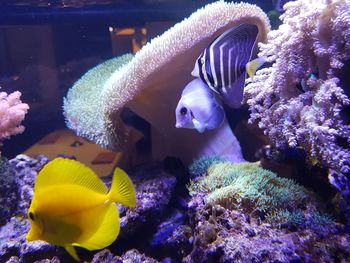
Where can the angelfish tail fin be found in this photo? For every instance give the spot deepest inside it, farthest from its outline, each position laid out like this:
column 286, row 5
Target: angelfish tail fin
column 71, row 250
column 254, row 65
column 122, row 189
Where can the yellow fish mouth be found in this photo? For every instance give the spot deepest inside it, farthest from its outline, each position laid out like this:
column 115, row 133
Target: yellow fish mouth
column 29, row 237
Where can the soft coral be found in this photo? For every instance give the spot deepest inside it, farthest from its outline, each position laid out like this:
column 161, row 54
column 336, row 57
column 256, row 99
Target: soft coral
column 12, row 112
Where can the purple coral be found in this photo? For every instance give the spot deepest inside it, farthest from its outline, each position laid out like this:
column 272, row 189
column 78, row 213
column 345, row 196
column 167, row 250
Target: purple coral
column 299, row 101
column 12, row 112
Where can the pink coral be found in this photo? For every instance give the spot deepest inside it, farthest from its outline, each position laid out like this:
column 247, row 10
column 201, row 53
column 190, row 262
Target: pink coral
column 299, row 100
column 12, row 112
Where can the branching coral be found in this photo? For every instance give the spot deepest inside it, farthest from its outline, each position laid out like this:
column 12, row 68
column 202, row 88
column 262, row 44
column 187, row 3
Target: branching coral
column 299, row 100
column 12, row 112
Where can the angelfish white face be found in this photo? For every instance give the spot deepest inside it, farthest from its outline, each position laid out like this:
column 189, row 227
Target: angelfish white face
column 198, row 108
column 184, row 116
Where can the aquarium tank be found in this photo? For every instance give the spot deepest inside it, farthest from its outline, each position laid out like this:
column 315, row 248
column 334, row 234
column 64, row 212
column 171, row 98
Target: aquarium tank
column 174, row 131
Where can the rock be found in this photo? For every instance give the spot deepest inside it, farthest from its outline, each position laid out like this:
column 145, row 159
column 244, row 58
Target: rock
column 131, row 256
column 154, row 188
column 13, row 243
column 8, row 192
column 252, row 242
column 134, row 256
column 105, row 256
column 17, row 178
column 245, row 232
column 53, row 260
column 172, row 237
column 25, row 171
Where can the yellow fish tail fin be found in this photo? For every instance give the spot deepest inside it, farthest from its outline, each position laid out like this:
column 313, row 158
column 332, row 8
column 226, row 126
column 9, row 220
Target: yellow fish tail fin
column 254, row 65
column 107, row 232
column 71, row 250
column 122, row 189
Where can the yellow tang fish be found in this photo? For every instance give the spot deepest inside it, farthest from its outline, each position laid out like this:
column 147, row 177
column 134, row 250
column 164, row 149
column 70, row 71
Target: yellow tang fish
column 71, row 206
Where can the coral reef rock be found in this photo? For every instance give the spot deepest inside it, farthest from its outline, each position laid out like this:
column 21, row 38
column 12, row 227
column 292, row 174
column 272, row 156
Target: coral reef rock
column 23, row 171
column 154, row 190
column 18, row 176
column 154, row 187
column 301, row 100
column 132, row 256
column 173, row 237
column 8, row 191
column 243, row 213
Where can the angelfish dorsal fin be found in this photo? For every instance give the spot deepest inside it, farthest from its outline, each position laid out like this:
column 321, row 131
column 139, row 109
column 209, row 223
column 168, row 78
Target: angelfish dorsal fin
column 195, row 71
column 66, row 171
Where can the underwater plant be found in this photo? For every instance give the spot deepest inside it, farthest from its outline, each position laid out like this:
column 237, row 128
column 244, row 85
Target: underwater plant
column 201, row 165
column 321, row 223
column 248, row 186
column 301, row 100
column 252, row 189
column 242, row 212
column 12, row 113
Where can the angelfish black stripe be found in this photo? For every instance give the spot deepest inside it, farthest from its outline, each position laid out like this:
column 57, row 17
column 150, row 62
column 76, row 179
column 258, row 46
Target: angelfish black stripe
column 205, row 70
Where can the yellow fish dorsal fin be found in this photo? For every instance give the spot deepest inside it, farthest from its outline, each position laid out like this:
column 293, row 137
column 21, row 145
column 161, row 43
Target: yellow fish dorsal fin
column 71, row 250
column 67, row 171
column 106, row 234
column 122, row 189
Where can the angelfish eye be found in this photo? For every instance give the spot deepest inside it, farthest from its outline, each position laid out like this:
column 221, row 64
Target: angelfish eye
column 31, row 216
column 183, row 111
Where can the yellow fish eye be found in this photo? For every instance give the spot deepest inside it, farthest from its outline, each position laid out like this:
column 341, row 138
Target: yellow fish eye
column 31, row 215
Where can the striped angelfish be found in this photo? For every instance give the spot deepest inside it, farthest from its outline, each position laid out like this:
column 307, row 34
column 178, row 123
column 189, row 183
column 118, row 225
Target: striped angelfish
column 224, row 63
column 221, row 68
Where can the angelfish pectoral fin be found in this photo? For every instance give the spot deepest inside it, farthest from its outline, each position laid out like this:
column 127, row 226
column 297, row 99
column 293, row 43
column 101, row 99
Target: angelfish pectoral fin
column 198, row 126
column 71, row 250
column 254, row 65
